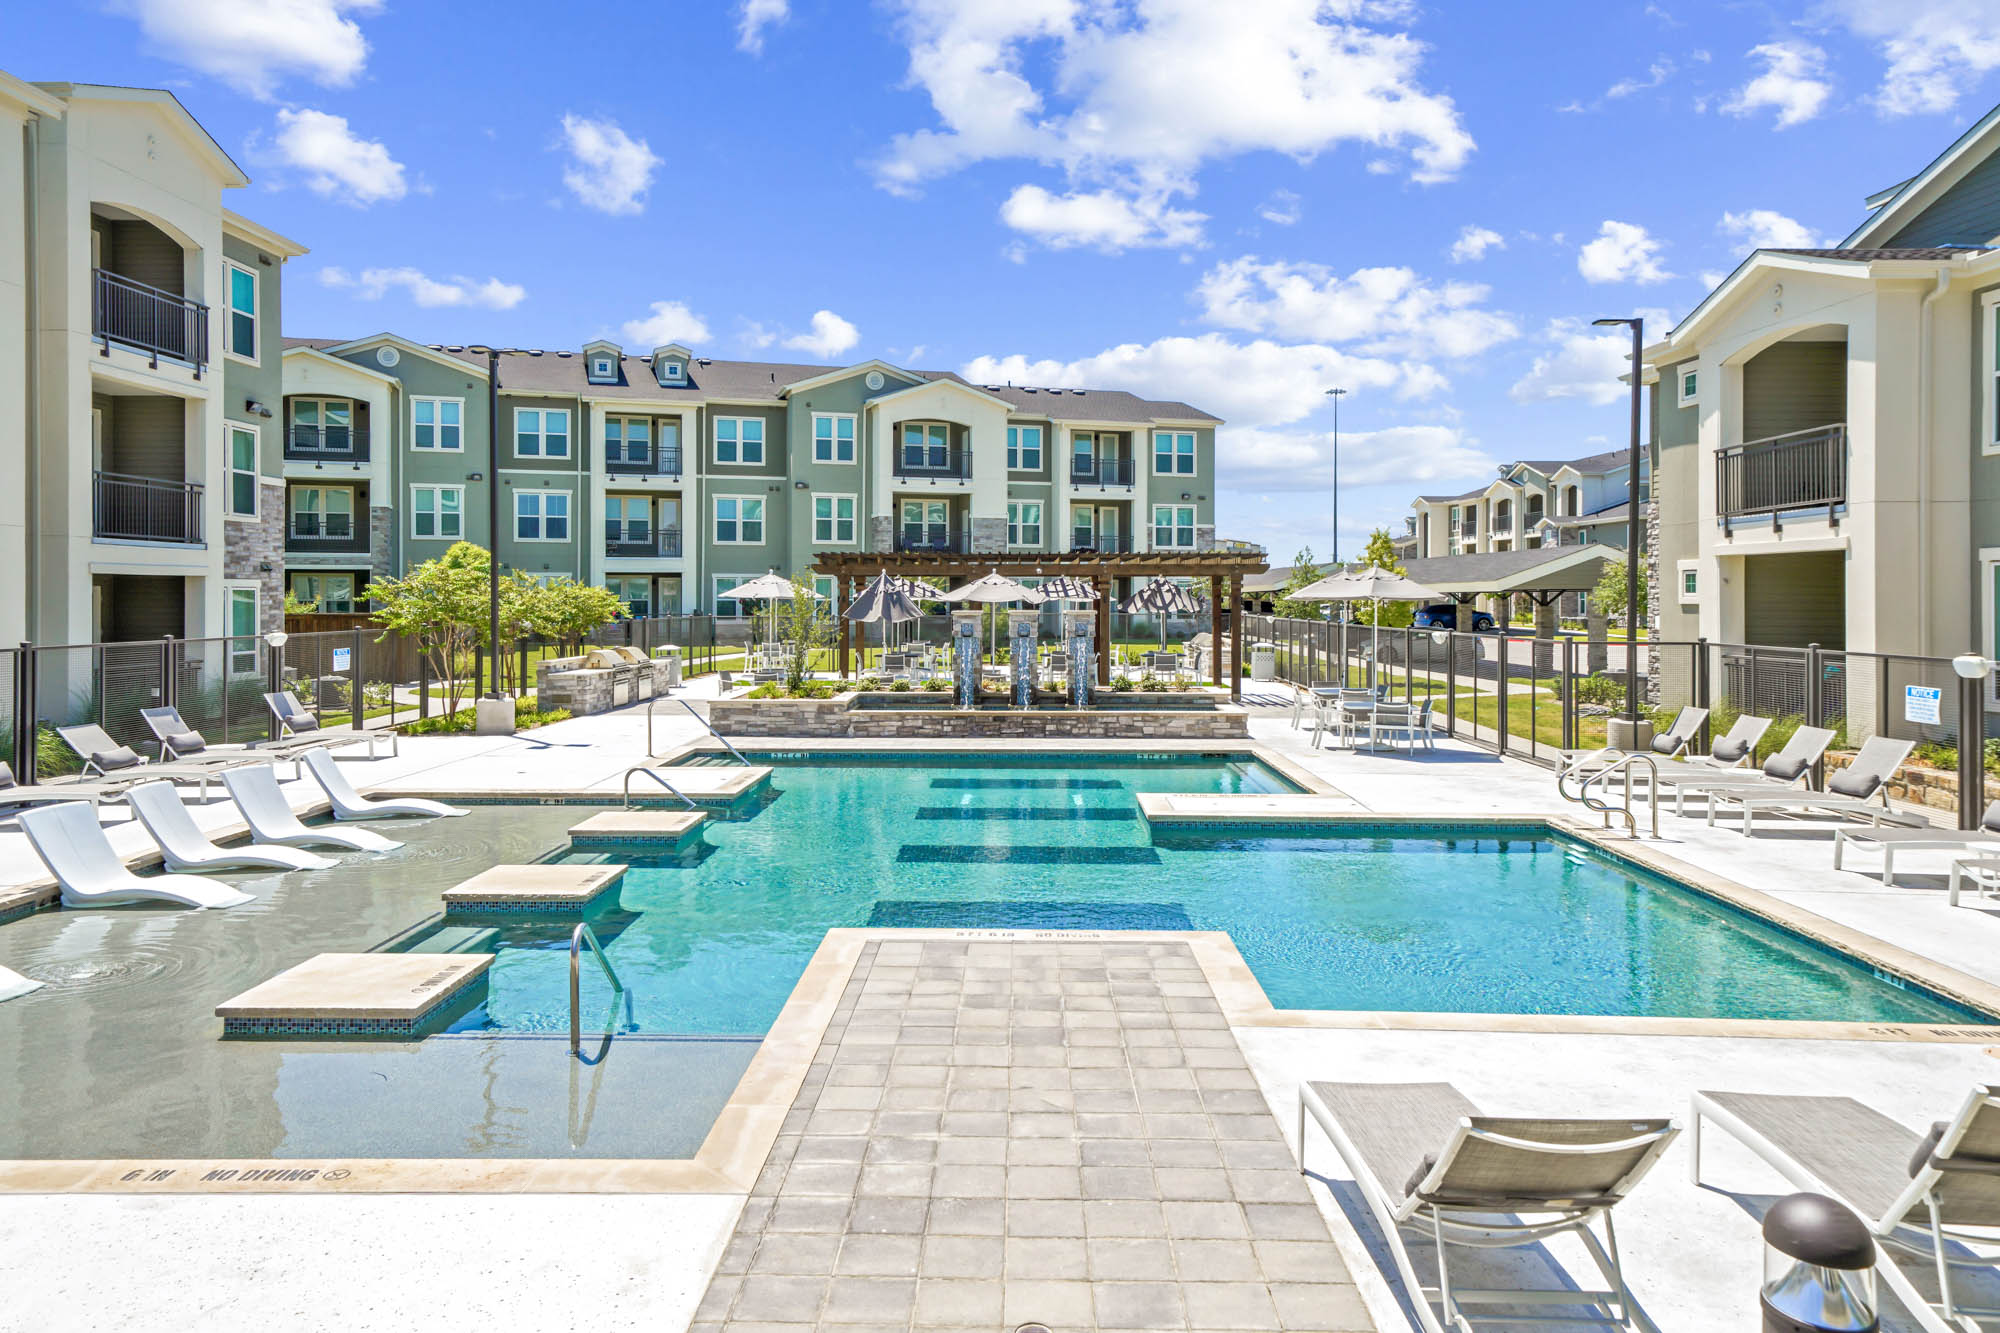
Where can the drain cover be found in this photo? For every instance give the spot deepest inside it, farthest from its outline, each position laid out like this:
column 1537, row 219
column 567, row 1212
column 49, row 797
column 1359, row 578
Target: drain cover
column 1032, row 1328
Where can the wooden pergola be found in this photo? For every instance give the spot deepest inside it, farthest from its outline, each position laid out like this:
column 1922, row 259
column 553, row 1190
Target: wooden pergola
column 851, row 571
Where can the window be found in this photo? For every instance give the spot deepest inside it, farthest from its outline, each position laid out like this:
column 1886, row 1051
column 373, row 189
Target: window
column 635, row 592
column 243, row 471
column 673, row 372
column 1173, row 526
column 437, row 511
column 1024, row 523
column 739, row 521
column 1989, row 439
column 833, row 519
column 628, row 519
column 727, row 606
column 1690, row 582
column 541, row 432
column 602, row 370
column 628, row 440
column 323, row 425
column 1024, row 448
column 926, row 525
column 833, row 437
column 541, row 516
column 242, row 631
column 926, row 445
column 739, row 441
column 322, row 512
column 242, row 311
column 327, row 592
column 1173, row 453
column 437, row 423
column 1689, row 382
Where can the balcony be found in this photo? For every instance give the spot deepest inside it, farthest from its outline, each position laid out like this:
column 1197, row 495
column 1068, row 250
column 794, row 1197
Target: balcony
column 312, row 537
column 932, row 464
column 326, row 444
column 1100, row 471
column 933, row 538
column 146, row 509
column 665, row 462
column 1102, row 543
column 1806, row 469
column 638, row 544
column 148, row 319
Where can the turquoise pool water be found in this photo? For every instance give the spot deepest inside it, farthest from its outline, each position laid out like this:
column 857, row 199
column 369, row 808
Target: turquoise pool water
column 712, row 940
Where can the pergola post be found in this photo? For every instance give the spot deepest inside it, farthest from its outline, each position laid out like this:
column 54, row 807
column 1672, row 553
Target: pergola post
column 840, row 605
column 1104, row 649
column 1235, row 638
column 1215, row 593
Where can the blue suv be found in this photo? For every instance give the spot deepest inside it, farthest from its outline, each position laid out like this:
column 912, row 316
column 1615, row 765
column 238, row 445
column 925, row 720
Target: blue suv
column 1444, row 615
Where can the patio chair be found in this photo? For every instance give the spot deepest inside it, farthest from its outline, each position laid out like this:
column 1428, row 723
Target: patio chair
column 1891, row 840
column 1934, row 1197
column 299, row 723
column 1425, row 1160
column 185, row 847
column 1410, row 721
column 180, row 741
column 1670, row 744
column 108, row 759
column 72, row 844
column 1854, row 791
column 1984, row 872
column 1782, row 771
column 270, row 816
column 13, row 795
column 351, row 804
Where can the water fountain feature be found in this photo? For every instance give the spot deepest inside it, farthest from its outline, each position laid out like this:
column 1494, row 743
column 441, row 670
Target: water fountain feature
column 965, row 657
column 1022, row 639
column 1080, row 629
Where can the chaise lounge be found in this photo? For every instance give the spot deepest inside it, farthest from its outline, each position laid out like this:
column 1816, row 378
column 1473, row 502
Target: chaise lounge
column 73, row 845
column 1852, row 792
column 270, row 816
column 185, row 847
column 351, row 804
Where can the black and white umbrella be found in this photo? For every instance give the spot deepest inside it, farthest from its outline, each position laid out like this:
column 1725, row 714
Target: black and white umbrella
column 1163, row 598
column 1067, row 588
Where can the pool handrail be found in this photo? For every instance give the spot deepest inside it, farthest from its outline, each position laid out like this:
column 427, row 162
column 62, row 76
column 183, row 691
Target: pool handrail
column 1605, row 808
column 579, row 937
column 656, row 776
column 711, row 731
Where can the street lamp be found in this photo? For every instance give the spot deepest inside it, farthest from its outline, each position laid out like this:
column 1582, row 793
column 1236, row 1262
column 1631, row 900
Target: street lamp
column 1336, row 395
column 1638, row 327
column 493, row 516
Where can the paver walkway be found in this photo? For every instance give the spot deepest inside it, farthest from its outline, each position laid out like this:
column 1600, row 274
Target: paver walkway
column 1060, row 1132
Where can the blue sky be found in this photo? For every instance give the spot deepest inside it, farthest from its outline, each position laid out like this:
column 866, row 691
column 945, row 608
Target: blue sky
column 1233, row 203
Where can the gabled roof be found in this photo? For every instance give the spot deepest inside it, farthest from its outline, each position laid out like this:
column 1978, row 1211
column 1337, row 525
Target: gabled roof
column 1923, row 254
column 304, row 347
column 453, row 356
column 858, row 368
column 170, row 109
column 952, row 382
column 260, row 235
column 1922, row 189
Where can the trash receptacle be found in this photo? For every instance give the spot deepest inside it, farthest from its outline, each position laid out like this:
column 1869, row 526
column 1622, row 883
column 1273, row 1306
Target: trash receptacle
column 670, row 653
column 1263, row 661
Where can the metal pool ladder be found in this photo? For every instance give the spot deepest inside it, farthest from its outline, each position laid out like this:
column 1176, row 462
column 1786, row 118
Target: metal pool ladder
column 579, row 937
column 1606, row 808
column 656, row 776
column 711, row 731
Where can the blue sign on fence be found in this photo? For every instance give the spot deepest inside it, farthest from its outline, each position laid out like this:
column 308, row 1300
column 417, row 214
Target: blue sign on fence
column 342, row 660
column 1921, row 703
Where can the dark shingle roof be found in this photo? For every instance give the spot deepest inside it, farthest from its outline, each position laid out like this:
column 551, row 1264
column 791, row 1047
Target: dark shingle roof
column 1595, row 516
column 1921, row 253
column 1604, row 462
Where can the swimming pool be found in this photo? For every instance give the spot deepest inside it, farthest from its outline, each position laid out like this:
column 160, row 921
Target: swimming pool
column 712, row 939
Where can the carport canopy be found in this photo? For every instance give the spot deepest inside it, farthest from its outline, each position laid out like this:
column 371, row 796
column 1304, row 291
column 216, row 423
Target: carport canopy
column 1543, row 573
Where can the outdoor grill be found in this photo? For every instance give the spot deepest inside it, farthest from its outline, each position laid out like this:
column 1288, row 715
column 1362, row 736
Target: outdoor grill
column 631, row 673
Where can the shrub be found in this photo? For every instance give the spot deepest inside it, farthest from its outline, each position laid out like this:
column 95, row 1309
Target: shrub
column 1122, row 685
column 1599, row 689
column 1149, row 681
column 900, row 686
column 937, row 683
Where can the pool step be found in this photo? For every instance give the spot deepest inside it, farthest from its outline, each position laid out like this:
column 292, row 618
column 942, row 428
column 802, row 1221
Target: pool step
column 357, row 995
column 661, row 828
column 457, row 939
column 547, row 889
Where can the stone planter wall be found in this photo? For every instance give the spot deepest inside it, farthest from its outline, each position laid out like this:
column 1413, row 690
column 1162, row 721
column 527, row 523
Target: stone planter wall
column 780, row 717
column 1187, row 717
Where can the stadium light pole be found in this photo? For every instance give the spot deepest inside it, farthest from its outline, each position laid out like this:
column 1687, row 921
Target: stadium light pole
column 1638, row 327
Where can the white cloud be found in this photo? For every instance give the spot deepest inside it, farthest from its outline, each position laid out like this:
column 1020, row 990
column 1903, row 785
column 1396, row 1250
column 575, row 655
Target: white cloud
column 1766, row 229
column 753, row 16
column 1580, row 363
column 608, row 170
column 1794, row 82
column 1138, row 97
column 831, row 335
column 1386, row 311
column 426, row 291
column 1473, row 243
column 1622, row 252
column 1656, row 74
column 1936, row 49
column 338, row 163
column 1282, row 208
column 1102, row 219
column 665, row 322
column 252, row 45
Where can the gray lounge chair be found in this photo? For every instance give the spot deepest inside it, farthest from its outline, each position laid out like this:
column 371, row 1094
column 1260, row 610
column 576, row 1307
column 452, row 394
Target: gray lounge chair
column 1782, row 771
column 1859, row 790
column 1426, row 1160
column 296, row 723
column 1669, row 744
column 179, row 741
column 106, row 758
column 1931, row 1196
column 1890, row 840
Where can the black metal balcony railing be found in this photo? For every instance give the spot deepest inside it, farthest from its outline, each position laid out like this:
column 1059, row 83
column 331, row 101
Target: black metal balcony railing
column 146, row 509
column 931, row 537
column 654, row 463
column 1468, row 530
column 1100, row 471
column 934, row 464
column 327, row 444
column 1502, row 522
column 157, row 322
column 1104, row 543
column 637, row 543
column 314, row 537
column 1806, row 469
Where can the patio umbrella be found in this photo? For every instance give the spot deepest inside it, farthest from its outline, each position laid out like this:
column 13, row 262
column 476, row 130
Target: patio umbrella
column 994, row 589
column 771, row 588
column 919, row 591
column 1369, row 584
column 1163, row 597
column 882, row 600
column 1067, row 588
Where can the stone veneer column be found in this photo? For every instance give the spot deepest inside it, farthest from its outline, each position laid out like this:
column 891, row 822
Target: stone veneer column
column 248, row 546
column 881, row 533
column 381, row 541
column 989, row 534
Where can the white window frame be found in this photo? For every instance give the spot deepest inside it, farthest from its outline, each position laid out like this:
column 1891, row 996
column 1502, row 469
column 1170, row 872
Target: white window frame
column 541, row 431
column 437, row 514
column 230, row 312
column 616, row 583
column 1194, row 447
column 437, row 426
column 354, row 595
column 1683, row 570
column 230, row 639
column 675, row 371
column 721, row 593
column 1989, row 377
column 853, row 519
column 833, row 438
column 1174, row 523
column 715, row 514
column 230, row 430
column 1989, row 572
column 1015, row 447
column 1682, row 373
column 323, row 490
column 603, row 369
column 542, row 515
column 763, row 442
column 1016, row 520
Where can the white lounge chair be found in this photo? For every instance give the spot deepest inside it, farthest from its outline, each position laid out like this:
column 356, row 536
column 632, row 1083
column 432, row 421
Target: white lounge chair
column 1983, row 840
column 107, row 759
column 270, row 816
column 1854, row 791
column 72, row 844
column 1784, row 770
column 351, row 804
column 298, row 723
column 13, row 985
column 1425, row 1159
column 1931, row 1196
column 179, row 741
column 158, row 806
column 1669, row 744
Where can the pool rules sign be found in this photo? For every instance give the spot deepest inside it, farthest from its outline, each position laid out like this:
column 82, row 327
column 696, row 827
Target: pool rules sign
column 1921, row 703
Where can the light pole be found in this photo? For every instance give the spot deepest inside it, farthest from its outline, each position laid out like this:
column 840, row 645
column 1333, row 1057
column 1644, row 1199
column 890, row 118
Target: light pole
column 1638, row 327
column 1336, row 395
column 493, row 518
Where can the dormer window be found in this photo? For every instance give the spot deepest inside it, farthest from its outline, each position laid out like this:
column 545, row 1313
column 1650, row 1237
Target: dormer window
column 600, row 370
column 601, row 361
column 673, row 371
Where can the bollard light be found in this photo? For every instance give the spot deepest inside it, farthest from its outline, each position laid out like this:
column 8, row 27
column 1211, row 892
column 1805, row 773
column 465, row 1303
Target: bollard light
column 1970, row 666
column 1819, row 1268
column 276, row 638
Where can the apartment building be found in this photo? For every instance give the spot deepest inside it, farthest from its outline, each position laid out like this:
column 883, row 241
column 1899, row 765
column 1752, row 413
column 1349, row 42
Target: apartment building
column 139, row 369
column 1826, row 436
column 672, row 477
column 1532, row 504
